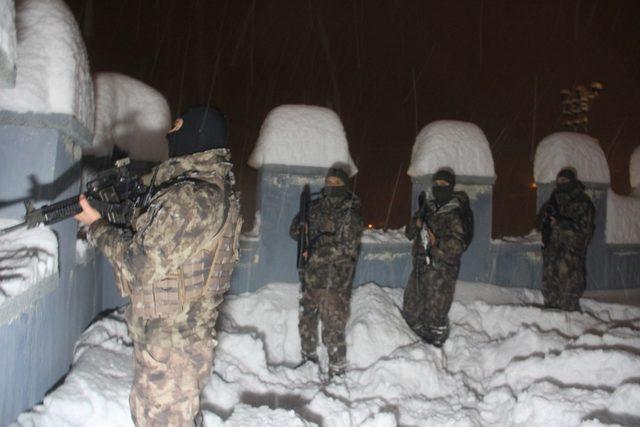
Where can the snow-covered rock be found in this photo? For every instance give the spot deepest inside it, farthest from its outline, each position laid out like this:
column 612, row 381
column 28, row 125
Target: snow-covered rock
column 460, row 146
column 622, row 225
column 130, row 115
column 507, row 362
column 634, row 171
column 570, row 149
column 26, row 257
column 302, row 135
column 52, row 67
column 7, row 43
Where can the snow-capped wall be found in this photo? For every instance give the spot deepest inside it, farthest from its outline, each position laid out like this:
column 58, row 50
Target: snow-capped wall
column 570, row 149
column 634, row 171
column 26, row 257
column 131, row 115
column 7, row 43
column 52, row 67
column 623, row 226
column 460, row 146
column 302, row 135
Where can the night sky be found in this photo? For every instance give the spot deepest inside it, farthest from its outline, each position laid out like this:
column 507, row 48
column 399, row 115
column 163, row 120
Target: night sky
column 388, row 68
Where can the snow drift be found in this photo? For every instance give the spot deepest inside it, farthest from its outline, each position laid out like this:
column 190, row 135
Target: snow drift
column 507, row 362
column 130, row 115
column 570, row 149
column 52, row 67
column 460, row 146
column 302, row 135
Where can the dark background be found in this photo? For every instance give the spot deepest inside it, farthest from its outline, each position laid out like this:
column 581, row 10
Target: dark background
column 388, row 68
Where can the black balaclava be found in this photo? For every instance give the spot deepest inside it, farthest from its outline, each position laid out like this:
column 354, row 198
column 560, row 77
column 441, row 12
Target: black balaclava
column 341, row 191
column 570, row 174
column 443, row 193
column 203, row 128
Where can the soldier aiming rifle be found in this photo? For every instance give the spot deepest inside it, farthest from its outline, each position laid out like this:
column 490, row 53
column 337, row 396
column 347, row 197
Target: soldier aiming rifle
column 116, row 193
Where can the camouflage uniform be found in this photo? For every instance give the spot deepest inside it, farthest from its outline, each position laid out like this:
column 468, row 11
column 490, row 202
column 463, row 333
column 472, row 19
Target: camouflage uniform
column 429, row 293
column 564, row 255
column 335, row 228
column 175, row 266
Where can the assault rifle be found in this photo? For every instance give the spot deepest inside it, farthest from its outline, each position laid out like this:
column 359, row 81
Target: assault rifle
column 303, row 229
column 424, row 217
column 550, row 211
column 115, row 193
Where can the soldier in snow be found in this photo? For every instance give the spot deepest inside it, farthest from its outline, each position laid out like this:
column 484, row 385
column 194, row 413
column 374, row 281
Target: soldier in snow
column 441, row 231
column 566, row 222
column 334, row 230
column 175, row 264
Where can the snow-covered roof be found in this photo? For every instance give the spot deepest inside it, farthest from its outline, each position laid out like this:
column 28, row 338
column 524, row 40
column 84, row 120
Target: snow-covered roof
column 634, row 169
column 570, row 149
column 52, row 67
column 460, row 146
column 131, row 115
column 302, row 135
column 622, row 225
column 7, row 43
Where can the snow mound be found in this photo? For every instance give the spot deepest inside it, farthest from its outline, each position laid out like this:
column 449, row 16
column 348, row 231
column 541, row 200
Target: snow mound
column 302, row 135
column 570, row 149
column 507, row 362
column 634, row 170
column 26, row 257
column 52, row 67
column 460, row 146
column 130, row 115
column 96, row 392
column 622, row 225
column 7, row 43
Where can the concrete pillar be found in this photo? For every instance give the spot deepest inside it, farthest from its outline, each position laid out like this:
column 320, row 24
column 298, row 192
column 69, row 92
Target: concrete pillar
column 38, row 340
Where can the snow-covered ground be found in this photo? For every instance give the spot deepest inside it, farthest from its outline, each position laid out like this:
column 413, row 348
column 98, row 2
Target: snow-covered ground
column 26, row 257
column 507, row 362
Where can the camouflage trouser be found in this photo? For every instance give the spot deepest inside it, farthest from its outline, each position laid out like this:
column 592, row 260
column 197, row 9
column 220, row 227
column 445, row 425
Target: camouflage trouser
column 167, row 383
column 326, row 298
column 427, row 300
column 564, row 279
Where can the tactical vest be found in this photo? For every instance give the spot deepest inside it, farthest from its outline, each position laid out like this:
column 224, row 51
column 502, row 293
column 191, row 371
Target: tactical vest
column 207, row 274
